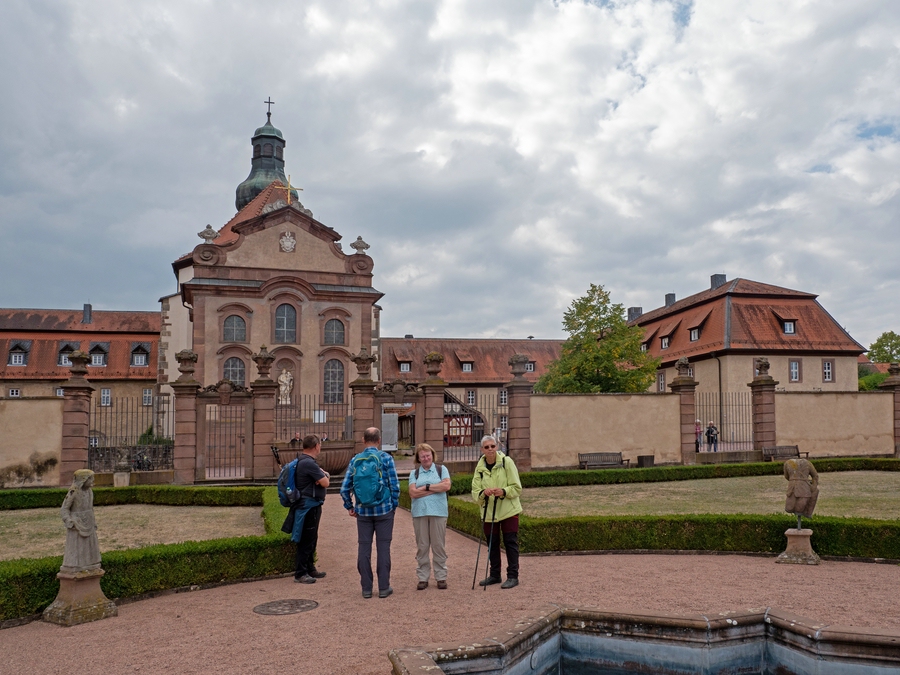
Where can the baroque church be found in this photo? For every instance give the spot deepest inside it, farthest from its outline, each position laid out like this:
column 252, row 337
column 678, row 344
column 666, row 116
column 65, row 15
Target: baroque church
column 273, row 275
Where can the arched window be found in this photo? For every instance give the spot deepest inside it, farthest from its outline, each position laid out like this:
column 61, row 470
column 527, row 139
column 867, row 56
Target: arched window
column 267, row 150
column 334, row 332
column 334, row 382
column 285, row 324
column 234, row 370
column 278, row 152
column 257, row 150
column 235, row 329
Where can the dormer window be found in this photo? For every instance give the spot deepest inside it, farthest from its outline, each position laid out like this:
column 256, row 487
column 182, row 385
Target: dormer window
column 64, row 359
column 98, row 359
column 644, row 346
column 467, row 367
column 99, row 354
column 139, row 357
column 664, row 342
column 529, row 367
column 695, row 334
column 405, row 366
column 17, row 358
column 790, row 327
column 18, row 353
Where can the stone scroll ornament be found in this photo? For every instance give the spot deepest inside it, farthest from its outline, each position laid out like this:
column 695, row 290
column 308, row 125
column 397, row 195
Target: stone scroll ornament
column 80, row 598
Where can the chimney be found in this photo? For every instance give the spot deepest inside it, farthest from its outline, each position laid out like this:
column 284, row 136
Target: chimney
column 634, row 313
column 86, row 317
column 670, row 299
column 716, row 280
column 408, row 336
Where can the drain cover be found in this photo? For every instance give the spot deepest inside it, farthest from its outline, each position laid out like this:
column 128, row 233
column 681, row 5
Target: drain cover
column 286, row 607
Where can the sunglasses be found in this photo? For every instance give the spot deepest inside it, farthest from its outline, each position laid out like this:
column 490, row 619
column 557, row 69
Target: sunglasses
column 489, row 447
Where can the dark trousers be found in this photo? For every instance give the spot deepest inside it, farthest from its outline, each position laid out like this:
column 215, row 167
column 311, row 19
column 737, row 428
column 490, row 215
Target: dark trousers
column 381, row 528
column 305, row 562
column 508, row 531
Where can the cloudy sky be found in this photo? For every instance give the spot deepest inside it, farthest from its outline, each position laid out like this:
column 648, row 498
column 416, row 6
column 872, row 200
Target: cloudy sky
column 498, row 155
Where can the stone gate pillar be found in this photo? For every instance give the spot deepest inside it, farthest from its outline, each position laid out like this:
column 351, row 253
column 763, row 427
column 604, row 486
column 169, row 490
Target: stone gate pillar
column 434, row 386
column 264, row 391
column 762, row 390
column 185, row 387
column 76, row 420
column 685, row 386
column 893, row 383
column 363, row 388
column 518, row 434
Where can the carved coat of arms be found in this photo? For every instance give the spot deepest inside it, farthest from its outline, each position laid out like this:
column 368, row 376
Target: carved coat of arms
column 288, row 242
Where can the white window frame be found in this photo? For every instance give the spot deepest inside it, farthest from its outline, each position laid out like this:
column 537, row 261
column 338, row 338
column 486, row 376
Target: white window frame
column 504, row 423
column 695, row 334
column 139, row 356
column 405, row 366
column 795, row 374
column 661, row 381
column 106, row 397
column 529, row 367
column 60, row 392
column 98, row 359
column 503, row 397
column 17, row 358
column 64, row 359
column 15, row 393
column 644, row 346
column 467, row 367
column 664, row 342
column 827, row 370
column 471, row 397
column 790, row 327
column 147, row 397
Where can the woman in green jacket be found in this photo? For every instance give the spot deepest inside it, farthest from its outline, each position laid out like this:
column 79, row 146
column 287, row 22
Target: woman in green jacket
column 496, row 488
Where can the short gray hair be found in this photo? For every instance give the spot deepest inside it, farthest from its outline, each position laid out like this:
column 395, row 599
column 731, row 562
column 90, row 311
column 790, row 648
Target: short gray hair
column 489, row 438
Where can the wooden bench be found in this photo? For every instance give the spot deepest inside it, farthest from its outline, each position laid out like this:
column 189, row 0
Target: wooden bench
column 782, row 452
column 601, row 460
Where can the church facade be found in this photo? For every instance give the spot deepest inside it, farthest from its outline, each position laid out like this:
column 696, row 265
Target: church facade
column 274, row 276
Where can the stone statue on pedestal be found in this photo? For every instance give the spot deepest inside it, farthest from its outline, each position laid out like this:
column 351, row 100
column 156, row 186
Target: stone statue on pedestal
column 285, row 386
column 802, row 494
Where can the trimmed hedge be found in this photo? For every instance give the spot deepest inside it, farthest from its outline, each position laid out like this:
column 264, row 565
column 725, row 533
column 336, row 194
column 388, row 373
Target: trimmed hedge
column 171, row 495
column 27, row 586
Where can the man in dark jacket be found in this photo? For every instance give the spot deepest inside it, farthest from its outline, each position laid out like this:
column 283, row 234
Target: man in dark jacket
column 303, row 519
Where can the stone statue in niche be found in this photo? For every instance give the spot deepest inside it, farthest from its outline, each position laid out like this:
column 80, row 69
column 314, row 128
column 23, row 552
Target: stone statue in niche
column 803, row 488
column 82, row 548
column 285, row 387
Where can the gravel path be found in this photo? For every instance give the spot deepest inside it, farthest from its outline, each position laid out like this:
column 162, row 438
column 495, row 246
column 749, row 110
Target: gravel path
column 216, row 630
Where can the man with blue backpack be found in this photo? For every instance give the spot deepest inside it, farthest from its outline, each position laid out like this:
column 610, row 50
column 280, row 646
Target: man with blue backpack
column 302, row 487
column 371, row 493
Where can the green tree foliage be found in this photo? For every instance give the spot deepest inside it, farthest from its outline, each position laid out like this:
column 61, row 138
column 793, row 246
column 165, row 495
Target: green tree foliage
column 871, row 381
column 602, row 354
column 886, row 349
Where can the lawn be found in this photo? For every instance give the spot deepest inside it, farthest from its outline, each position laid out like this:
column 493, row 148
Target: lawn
column 35, row 533
column 864, row 494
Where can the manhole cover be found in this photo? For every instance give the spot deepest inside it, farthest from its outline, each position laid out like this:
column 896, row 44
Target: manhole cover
column 286, row 607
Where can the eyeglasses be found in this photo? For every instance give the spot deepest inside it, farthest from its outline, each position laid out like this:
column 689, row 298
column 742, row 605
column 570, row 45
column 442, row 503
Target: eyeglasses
column 488, row 447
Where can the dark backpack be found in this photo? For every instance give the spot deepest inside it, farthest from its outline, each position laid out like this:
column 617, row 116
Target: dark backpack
column 440, row 470
column 288, row 494
column 368, row 481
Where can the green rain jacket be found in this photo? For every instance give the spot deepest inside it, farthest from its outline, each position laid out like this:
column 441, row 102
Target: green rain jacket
column 504, row 475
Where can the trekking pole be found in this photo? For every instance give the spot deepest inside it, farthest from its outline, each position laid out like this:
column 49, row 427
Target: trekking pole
column 490, row 540
column 275, row 452
column 480, row 537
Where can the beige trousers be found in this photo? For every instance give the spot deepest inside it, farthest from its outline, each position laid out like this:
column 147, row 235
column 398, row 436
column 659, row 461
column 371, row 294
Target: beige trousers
column 430, row 532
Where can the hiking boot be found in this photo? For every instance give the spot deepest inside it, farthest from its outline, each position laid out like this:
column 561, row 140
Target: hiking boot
column 442, row 584
column 367, row 594
column 386, row 592
column 490, row 581
column 512, row 582
column 305, row 579
column 316, row 574
column 422, row 585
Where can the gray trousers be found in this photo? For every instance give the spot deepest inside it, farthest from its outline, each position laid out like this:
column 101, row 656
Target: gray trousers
column 381, row 528
column 430, row 532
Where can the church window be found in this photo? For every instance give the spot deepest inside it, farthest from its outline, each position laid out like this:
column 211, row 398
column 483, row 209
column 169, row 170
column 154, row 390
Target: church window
column 257, row 150
column 334, row 382
column 234, row 371
column 279, row 153
column 334, row 332
column 285, row 324
column 235, row 329
column 267, row 150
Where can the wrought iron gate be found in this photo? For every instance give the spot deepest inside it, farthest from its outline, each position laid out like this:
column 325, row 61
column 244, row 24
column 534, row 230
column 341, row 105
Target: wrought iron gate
column 466, row 423
column 732, row 413
column 228, row 440
column 131, row 434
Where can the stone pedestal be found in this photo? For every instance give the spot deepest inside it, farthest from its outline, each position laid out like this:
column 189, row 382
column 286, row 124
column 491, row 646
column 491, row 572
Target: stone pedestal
column 799, row 550
column 80, row 599
column 121, row 479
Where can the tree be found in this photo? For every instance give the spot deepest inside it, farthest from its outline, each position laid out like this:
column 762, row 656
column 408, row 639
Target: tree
column 602, row 354
column 886, row 349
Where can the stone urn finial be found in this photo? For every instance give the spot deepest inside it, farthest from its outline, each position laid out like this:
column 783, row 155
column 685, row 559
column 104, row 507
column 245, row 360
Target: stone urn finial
column 893, row 380
column 434, row 362
column 263, row 362
column 79, row 362
column 683, row 367
column 187, row 360
column 364, row 362
column 762, row 365
column 518, row 363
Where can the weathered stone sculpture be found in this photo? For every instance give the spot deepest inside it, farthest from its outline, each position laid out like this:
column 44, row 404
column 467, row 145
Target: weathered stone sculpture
column 80, row 597
column 802, row 495
column 285, row 387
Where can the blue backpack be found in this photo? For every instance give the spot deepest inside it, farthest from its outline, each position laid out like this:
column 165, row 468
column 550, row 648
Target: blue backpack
column 368, row 483
column 288, row 493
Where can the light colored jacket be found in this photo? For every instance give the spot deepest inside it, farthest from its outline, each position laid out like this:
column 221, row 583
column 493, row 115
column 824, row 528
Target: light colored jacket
column 504, row 475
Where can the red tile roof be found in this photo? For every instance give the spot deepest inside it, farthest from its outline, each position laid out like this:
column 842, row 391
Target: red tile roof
column 489, row 358
column 748, row 316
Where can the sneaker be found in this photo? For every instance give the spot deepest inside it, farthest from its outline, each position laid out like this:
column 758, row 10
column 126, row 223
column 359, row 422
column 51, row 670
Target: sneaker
column 367, row 594
column 316, row 574
column 442, row 584
column 512, row 582
column 422, row 585
column 490, row 581
column 305, row 579
column 386, row 592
